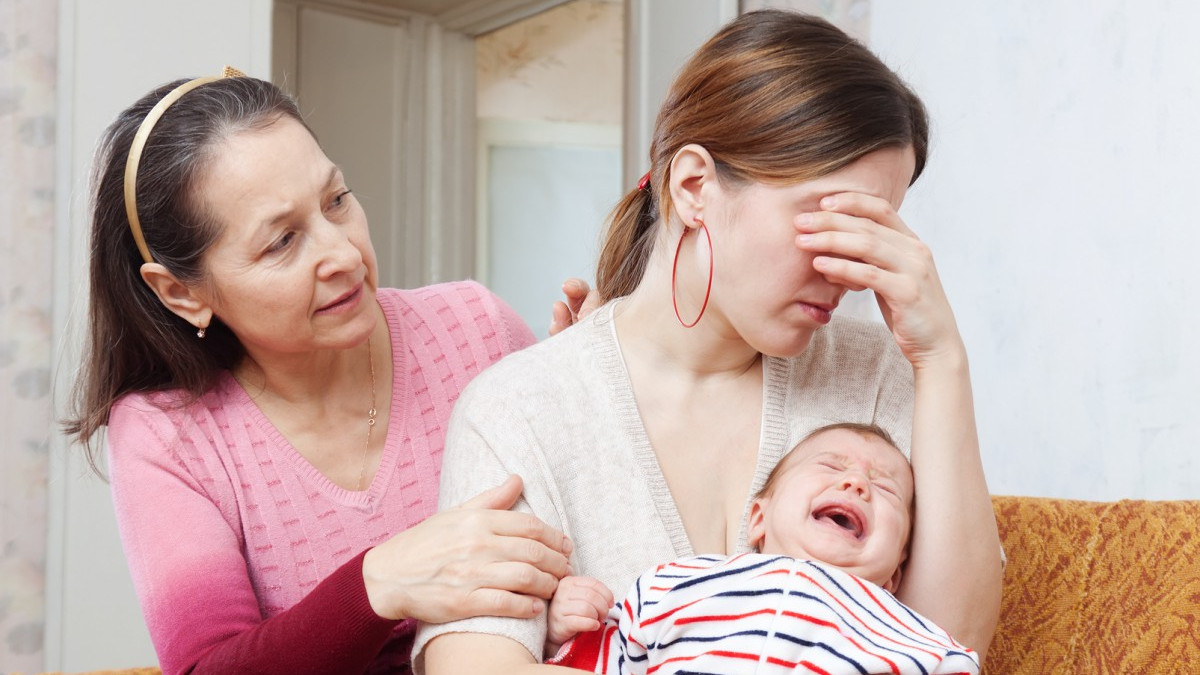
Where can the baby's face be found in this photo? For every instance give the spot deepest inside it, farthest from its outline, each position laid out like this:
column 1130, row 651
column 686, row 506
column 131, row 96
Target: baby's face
column 843, row 498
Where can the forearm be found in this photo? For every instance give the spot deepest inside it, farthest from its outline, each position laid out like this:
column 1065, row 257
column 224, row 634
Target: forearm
column 954, row 573
column 480, row 654
column 331, row 630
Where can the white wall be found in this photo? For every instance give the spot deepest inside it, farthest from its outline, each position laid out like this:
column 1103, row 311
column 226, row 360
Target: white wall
column 1060, row 202
column 110, row 53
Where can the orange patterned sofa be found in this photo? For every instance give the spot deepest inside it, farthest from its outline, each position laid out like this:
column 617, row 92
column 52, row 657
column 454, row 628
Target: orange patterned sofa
column 1091, row 588
column 1098, row 588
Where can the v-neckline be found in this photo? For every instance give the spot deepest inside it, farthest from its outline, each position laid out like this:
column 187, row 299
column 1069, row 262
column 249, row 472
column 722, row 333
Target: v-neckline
column 773, row 431
column 282, row 448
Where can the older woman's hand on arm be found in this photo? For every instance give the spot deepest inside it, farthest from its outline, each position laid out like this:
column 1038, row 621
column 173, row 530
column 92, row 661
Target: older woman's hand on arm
column 954, row 571
column 476, row 559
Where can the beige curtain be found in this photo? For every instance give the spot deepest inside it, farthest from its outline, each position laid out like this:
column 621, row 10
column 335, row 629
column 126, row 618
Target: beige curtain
column 28, row 34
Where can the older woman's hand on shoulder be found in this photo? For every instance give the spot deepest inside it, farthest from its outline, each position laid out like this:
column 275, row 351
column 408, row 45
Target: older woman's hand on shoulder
column 476, row 559
column 580, row 300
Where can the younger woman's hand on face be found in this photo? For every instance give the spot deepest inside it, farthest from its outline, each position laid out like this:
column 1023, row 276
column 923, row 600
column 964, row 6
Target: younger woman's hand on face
column 862, row 243
column 472, row 560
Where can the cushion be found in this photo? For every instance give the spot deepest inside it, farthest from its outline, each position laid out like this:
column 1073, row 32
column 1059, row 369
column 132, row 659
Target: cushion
column 1098, row 587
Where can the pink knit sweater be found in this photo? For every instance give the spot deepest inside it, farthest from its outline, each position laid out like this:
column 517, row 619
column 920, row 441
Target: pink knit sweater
column 248, row 559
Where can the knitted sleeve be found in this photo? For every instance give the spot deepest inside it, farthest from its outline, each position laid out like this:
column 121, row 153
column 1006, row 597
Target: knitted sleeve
column 481, row 426
column 191, row 577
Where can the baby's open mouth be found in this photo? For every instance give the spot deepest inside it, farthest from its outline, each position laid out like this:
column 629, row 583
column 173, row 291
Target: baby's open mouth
column 842, row 517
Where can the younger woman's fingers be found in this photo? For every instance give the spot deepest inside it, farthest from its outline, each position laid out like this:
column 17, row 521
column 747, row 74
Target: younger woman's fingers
column 866, row 206
column 857, row 275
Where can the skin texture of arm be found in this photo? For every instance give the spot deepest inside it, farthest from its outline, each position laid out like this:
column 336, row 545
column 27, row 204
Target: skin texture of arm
column 961, row 591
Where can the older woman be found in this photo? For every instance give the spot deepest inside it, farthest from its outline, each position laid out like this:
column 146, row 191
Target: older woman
column 779, row 160
column 275, row 420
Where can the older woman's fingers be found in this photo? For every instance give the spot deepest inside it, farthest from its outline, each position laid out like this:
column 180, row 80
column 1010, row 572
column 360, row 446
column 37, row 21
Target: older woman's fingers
column 577, row 291
column 560, row 318
column 495, row 602
column 581, row 299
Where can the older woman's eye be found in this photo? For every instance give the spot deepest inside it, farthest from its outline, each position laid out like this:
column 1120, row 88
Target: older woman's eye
column 282, row 242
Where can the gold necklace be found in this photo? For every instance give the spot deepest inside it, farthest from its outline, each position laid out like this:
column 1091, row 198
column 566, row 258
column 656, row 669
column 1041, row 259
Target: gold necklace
column 362, row 471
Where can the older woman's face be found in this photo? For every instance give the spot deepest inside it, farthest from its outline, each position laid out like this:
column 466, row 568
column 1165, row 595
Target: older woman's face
column 292, row 270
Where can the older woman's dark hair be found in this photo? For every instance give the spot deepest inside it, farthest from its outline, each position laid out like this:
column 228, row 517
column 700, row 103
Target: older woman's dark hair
column 134, row 342
column 775, row 97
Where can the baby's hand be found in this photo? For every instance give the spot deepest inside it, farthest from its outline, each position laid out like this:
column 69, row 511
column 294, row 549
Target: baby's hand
column 578, row 606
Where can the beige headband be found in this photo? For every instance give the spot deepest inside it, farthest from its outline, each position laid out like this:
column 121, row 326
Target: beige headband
column 139, row 143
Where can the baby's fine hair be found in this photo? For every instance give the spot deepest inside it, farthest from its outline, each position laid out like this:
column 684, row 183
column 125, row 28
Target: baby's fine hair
column 857, row 427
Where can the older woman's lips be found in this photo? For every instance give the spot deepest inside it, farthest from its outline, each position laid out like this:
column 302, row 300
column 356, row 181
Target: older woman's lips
column 343, row 303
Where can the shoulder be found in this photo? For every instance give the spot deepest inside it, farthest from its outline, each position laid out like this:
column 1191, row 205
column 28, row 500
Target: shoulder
column 450, row 292
column 141, row 416
column 577, row 362
column 444, row 298
column 462, row 310
column 171, row 428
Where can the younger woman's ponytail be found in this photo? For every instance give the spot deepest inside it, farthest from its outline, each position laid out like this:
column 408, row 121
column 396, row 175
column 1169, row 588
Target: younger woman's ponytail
column 627, row 244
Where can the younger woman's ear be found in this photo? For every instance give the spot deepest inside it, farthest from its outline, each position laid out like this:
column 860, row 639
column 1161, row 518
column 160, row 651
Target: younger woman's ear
column 177, row 296
column 692, row 184
column 756, row 529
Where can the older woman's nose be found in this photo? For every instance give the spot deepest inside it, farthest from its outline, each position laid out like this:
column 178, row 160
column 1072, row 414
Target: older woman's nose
column 338, row 251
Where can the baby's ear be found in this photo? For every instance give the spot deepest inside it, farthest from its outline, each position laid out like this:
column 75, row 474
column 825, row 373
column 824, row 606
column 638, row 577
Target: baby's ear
column 756, row 528
column 894, row 583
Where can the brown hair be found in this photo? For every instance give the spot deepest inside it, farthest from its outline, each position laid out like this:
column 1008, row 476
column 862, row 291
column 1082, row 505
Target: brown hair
column 857, row 427
column 774, row 97
column 134, row 342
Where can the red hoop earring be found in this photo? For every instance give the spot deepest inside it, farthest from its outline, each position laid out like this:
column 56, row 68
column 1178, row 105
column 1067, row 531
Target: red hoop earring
column 675, row 270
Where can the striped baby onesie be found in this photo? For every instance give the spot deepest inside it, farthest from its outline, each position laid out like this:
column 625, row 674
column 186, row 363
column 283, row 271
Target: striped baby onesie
column 763, row 614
